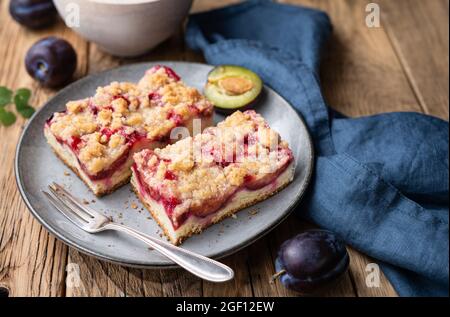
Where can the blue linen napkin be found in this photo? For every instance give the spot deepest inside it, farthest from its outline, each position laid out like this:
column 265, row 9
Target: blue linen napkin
column 380, row 182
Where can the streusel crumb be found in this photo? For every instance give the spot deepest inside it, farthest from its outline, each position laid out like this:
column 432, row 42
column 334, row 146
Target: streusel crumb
column 99, row 129
column 200, row 170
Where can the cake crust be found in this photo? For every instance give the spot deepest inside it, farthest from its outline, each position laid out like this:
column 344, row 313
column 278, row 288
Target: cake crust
column 201, row 180
column 97, row 136
column 228, row 214
column 75, row 170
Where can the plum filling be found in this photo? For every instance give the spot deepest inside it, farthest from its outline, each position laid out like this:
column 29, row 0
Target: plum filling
column 74, row 143
column 169, row 203
column 176, row 118
column 155, row 97
column 254, row 184
column 169, row 71
column 211, row 206
column 131, row 140
column 170, row 175
column 109, row 171
column 93, row 108
column 193, row 109
column 122, row 97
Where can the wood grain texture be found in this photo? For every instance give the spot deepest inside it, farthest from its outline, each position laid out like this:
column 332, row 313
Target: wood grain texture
column 32, row 263
column 361, row 74
column 423, row 55
column 401, row 66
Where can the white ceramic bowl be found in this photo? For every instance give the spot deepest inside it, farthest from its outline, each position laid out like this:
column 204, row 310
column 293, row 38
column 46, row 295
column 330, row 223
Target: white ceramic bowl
column 124, row 27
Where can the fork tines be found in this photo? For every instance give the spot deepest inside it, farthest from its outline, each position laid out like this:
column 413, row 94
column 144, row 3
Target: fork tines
column 68, row 205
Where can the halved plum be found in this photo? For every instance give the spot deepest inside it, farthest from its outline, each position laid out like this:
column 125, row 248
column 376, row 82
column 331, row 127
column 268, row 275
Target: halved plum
column 232, row 88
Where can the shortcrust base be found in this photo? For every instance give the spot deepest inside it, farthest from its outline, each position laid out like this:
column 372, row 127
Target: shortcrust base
column 194, row 225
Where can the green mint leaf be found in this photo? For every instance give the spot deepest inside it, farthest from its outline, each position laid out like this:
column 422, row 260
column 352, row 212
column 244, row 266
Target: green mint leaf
column 26, row 112
column 5, row 96
column 7, row 118
column 24, row 93
column 21, row 98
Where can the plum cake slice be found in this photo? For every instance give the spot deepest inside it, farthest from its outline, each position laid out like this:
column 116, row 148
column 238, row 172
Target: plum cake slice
column 198, row 181
column 97, row 136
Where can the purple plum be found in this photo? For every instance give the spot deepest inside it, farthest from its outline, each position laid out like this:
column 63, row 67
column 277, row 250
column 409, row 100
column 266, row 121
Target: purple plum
column 311, row 260
column 51, row 61
column 34, row 14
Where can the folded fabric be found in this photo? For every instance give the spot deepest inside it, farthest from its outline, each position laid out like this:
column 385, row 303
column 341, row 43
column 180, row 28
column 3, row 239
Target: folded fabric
column 380, row 182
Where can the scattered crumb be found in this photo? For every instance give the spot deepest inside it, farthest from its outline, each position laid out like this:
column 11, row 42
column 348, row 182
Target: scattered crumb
column 85, row 202
column 253, row 212
column 234, row 216
column 120, row 215
column 93, row 201
column 160, row 235
column 149, row 218
column 66, row 173
column 134, row 206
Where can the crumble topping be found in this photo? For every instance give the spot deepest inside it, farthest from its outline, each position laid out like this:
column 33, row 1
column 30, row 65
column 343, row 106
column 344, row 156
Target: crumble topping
column 241, row 151
column 157, row 77
column 101, row 128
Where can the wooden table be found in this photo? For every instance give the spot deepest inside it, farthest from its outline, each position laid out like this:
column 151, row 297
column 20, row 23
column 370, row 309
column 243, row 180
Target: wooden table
column 401, row 66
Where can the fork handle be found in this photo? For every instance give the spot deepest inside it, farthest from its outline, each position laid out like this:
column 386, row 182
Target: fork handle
column 197, row 264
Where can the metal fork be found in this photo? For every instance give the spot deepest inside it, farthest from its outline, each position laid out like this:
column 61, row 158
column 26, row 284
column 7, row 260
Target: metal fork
column 92, row 221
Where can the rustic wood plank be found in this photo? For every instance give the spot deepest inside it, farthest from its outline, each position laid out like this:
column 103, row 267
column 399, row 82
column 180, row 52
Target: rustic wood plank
column 418, row 31
column 358, row 273
column 32, row 263
column 239, row 286
column 261, row 267
column 360, row 73
column 205, row 5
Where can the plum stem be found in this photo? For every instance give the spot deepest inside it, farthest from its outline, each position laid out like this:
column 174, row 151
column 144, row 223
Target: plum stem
column 277, row 275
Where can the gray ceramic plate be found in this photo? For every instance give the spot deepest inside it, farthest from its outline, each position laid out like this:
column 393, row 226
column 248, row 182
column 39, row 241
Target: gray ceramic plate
column 36, row 166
